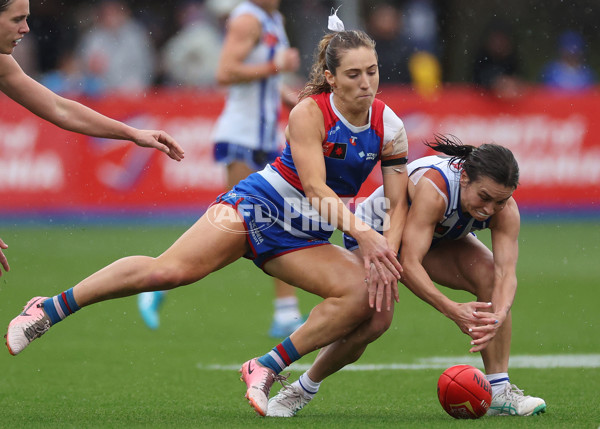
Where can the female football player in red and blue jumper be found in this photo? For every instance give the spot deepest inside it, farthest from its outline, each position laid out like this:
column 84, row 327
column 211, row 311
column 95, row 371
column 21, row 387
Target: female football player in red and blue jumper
column 282, row 218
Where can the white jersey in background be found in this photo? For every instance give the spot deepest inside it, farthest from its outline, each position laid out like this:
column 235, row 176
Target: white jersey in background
column 251, row 113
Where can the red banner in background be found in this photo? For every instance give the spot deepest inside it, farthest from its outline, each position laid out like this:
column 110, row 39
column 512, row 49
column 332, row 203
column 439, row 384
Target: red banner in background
column 45, row 169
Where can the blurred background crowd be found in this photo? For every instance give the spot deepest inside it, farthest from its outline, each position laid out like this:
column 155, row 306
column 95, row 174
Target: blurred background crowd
column 100, row 46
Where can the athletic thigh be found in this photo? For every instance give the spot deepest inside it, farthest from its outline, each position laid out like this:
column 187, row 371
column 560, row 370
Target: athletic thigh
column 465, row 264
column 217, row 239
column 326, row 271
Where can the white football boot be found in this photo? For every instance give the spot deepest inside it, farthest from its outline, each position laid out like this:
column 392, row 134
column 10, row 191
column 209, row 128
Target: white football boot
column 512, row 402
column 287, row 402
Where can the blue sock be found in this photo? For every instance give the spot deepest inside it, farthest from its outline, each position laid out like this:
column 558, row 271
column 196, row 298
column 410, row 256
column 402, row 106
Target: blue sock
column 281, row 356
column 60, row 306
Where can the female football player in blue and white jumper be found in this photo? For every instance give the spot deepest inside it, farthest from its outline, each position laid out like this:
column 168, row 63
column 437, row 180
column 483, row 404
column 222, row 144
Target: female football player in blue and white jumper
column 282, row 218
column 450, row 196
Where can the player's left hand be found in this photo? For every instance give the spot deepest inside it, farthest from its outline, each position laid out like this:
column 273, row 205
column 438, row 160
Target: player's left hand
column 159, row 140
column 3, row 260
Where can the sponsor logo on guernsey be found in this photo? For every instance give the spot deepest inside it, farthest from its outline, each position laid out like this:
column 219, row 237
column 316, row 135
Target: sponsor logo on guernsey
column 353, row 140
column 371, row 156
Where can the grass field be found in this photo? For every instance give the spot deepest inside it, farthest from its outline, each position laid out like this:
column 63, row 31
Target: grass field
column 104, row 368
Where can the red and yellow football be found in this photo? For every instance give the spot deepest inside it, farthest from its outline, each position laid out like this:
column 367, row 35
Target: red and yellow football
column 464, row 392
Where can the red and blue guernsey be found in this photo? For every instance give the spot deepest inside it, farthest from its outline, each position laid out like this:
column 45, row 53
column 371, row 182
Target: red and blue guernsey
column 350, row 152
column 277, row 214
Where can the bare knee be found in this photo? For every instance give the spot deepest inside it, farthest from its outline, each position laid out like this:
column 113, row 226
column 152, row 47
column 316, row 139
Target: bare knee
column 378, row 324
column 164, row 276
column 356, row 299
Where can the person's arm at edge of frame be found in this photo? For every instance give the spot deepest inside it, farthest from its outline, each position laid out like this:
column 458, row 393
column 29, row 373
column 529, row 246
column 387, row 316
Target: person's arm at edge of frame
column 3, row 260
column 73, row 116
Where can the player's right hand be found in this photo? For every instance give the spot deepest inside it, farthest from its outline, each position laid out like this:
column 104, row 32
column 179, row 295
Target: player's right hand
column 287, row 60
column 161, row 141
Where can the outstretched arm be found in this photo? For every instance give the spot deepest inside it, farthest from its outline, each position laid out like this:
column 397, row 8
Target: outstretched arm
column 73, row 116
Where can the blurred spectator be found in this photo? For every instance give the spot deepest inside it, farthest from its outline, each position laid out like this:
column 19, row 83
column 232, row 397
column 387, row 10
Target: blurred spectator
column 306, row 24
column 384, row 25
column 406, row 43
column 496, row 66
column 421, row 32
column 69, row 80
column 426, row 73
column 191, row 56
column 569, row 71
column 118, row 50
column 420, row 27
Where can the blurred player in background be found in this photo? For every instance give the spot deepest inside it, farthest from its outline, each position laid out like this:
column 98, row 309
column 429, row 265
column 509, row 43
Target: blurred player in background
column 336, row 135
column 450, row 197
column 255, row 53
column 60, row 111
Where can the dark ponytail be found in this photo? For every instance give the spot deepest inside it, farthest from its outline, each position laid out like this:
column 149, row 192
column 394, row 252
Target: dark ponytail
column 489, row 160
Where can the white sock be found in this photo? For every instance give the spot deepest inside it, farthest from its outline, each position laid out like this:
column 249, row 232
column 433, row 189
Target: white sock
column 286, row 310
column 309, row 387
column 498, row 382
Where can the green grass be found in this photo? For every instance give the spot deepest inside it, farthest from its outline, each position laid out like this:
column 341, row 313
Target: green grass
column 104, row 368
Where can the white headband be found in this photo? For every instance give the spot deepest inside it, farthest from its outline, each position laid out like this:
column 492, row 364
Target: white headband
column 334, row 23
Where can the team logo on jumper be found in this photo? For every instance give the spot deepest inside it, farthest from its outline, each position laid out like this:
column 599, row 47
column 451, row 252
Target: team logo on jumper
column 335, row 150
column 270, row 39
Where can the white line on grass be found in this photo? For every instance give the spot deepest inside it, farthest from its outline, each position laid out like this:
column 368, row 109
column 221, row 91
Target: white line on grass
column 443, row 362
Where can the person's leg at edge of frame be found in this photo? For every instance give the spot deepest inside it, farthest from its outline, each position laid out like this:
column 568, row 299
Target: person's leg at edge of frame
column 189, row 259
column 344, row 307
